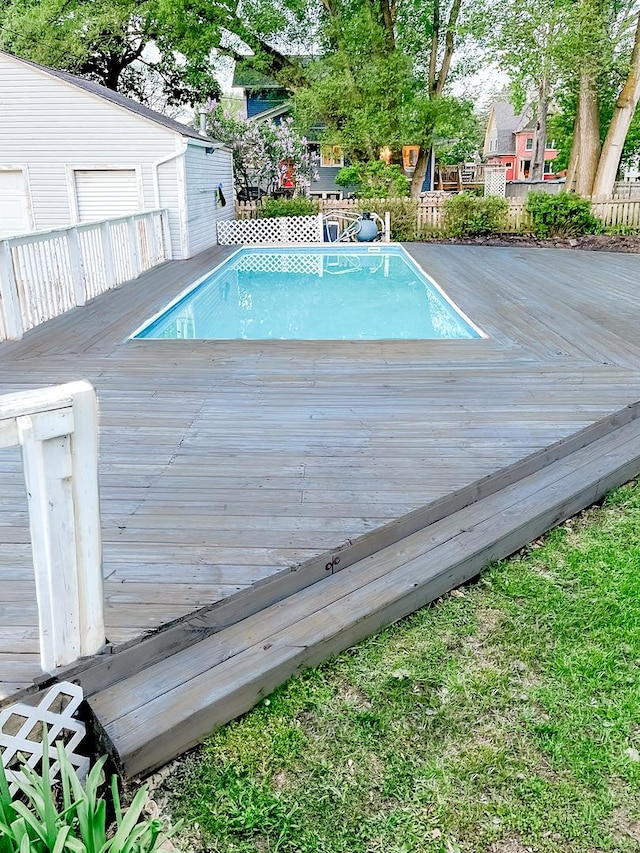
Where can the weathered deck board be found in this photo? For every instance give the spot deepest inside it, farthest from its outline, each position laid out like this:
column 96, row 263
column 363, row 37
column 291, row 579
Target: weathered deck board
column 224, row 462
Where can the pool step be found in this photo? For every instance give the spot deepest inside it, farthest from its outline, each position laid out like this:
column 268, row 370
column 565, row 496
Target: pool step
column 151, row 716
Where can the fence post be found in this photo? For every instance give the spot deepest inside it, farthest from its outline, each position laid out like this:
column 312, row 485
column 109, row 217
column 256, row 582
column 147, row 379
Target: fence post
column 387, row 227
column 134, row 250
column 9, row 296
column 76, row 266
column 320, row 227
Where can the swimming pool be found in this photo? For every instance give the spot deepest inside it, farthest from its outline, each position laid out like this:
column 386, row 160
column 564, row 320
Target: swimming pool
column 328, row 293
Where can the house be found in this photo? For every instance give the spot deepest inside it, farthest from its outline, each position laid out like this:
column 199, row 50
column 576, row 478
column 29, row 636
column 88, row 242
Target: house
column 266, row 100
column 509, row 141
column 73, row 151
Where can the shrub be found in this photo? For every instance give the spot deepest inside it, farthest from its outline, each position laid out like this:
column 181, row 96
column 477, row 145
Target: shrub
column 374, row 180
column 563, row 215
column 36, row 821
column 273, row 207
column 468, row 215
column 403, row 212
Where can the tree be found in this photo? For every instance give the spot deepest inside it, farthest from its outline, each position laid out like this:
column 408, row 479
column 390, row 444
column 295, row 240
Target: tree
column 126, row 45
column 263, row 153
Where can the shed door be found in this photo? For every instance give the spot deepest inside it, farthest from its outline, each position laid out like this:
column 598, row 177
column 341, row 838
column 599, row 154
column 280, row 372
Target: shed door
column 14, row 211
column 106, row 193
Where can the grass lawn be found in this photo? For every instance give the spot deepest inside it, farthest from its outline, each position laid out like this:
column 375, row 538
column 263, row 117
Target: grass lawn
column 504, row 718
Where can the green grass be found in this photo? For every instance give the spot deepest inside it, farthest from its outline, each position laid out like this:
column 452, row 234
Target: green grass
column 504, row 718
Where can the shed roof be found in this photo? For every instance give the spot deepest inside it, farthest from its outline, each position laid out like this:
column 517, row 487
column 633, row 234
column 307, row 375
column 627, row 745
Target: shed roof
column 115, row 98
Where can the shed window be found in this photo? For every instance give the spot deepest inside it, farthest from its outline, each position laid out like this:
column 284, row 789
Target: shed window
column 106, row 193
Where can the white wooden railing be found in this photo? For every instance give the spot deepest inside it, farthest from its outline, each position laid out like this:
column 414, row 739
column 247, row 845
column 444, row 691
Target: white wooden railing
column 57, row 429
column 46, row 273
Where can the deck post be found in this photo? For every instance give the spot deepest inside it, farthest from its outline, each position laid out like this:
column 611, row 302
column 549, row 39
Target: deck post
column 57, row 431
column 387, row 227
column 76, row 266
column 166, row 235
column 12, row 315
column 134, row 247
column 107, row 255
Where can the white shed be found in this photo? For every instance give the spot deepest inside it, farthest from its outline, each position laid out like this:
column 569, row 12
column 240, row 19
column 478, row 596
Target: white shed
column 74, row 151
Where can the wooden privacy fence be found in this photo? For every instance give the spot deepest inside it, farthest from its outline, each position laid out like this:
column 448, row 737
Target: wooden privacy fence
column 46, row 273
column 57, row 429
column 430, row 212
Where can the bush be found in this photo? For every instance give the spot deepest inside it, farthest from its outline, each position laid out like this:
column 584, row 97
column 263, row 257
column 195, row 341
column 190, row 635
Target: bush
column 468, row 215
column 273, row 207
column 374, row 180
column 562, row 215
column 36, row 821
column 403, row 212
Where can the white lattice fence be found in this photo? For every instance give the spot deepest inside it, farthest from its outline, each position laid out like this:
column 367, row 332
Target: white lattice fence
column 283, row 229
column 22, row 730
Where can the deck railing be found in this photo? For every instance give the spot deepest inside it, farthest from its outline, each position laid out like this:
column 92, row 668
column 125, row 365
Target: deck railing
column 46, row 273
column 57, row 429
column 430, row 212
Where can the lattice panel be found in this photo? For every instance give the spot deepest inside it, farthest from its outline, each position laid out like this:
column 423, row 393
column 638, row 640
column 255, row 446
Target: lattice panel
column 495, row 181
column 282, row 229
column 22, row 728
column 306, row 264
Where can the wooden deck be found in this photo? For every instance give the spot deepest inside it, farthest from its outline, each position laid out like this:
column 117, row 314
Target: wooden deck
column 225, row 463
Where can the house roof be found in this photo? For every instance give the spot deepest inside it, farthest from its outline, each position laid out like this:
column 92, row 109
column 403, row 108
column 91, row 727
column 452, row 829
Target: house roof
column 115, row 98
column 246, row 77
column 506, row 122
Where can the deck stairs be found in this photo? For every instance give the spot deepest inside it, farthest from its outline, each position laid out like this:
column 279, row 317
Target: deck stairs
column 157, row 699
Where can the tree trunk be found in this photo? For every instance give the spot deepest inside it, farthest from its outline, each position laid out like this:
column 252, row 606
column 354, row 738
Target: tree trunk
column 574, row 157
column 421, row 171
column 536, row 173
column 589, row 136
column 617, row 133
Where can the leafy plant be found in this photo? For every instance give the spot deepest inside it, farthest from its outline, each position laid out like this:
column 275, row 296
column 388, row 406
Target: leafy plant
column 374, row 179
column 562, row 215
column 35, row 820
column 403, row 213
column 273, row 207
column 469, row 215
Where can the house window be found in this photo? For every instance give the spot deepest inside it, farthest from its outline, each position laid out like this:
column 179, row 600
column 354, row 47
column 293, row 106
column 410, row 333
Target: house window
column 529, row 143
column 331, row 155
column 493, row 144
column 410, row 156
column 548, row 167
column 508, row 165
column 551, row 144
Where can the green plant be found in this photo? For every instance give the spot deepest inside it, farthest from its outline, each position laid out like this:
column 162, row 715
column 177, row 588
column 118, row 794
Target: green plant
column 563, row 215
column 273, row 207
column 36, row 820
column 403, row 213
column 469, row 215
column 374, row 179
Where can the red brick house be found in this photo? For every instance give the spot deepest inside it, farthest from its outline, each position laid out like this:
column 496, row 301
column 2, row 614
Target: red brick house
column 509, row 140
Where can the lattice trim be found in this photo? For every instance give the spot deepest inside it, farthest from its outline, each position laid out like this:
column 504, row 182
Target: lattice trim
column 307, row 264
column 495, row 181
column 24, row 739
column 283, row 229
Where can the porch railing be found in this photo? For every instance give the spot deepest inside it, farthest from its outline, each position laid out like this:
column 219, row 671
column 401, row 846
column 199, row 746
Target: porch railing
column 57, row 429
column 46, row 273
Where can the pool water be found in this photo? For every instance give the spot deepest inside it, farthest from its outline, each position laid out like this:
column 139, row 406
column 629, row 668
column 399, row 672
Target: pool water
column 337, row 293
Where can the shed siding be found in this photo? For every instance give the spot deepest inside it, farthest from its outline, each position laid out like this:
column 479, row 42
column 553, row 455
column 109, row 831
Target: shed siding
column 57, row 128
column 203, row 173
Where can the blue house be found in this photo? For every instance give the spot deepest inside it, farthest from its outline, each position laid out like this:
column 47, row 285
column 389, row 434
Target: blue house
column 266, row 100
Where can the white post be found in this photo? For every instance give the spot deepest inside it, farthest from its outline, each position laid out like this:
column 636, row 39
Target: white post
column 9, row 297
column 107, row 255
column 166, row 235
column 77, row 268
column 320, row 227
column 387, row 227
column 134, row 250
column 57, row 429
